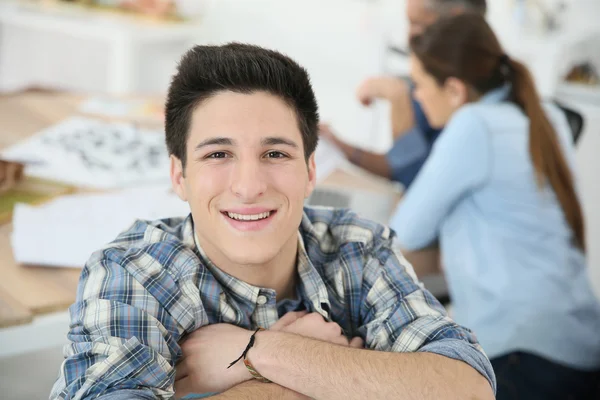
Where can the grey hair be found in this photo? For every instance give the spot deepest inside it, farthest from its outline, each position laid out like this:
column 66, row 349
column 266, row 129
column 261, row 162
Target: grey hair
column 444, row 6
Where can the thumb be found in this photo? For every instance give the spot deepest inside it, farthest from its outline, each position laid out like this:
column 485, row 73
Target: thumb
column 357, row 343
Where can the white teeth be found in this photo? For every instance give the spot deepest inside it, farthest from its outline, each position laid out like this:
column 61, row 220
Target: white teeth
column 248, row 217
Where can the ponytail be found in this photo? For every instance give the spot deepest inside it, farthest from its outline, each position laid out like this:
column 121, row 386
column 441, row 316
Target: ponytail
column 546, row 154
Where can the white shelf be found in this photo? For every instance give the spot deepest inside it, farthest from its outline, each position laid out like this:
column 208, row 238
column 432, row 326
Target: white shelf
column 88, row 51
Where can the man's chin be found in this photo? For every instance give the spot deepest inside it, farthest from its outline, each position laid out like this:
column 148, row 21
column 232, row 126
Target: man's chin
column 251, row 255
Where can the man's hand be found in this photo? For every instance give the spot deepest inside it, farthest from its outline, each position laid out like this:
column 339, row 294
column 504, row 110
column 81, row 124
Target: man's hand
column 208, row 351
column 314, row 326
column 380, row 87
column 206, row 354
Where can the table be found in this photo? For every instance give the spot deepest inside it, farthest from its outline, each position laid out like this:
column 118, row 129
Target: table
column 29, row 291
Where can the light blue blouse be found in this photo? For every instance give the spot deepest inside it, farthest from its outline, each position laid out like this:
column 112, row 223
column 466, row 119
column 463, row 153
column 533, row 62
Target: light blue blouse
column 514, row 276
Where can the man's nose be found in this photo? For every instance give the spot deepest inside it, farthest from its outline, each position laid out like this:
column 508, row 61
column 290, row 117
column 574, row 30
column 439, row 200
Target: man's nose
column 248, row 180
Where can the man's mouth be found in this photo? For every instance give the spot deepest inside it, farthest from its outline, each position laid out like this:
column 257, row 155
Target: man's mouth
column 249, row 217
column 247, row 222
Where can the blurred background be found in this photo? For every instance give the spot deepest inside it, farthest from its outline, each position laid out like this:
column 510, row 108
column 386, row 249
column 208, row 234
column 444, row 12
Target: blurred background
column 72, row 68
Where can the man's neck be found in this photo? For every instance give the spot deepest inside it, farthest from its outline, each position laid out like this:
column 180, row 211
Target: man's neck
column 279, row 273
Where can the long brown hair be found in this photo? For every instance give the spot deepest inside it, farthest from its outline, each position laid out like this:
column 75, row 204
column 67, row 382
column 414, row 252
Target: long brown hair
column 465, row 47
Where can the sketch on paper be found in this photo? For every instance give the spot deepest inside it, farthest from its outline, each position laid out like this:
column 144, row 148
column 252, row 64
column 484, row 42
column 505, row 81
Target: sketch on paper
column 95, row 154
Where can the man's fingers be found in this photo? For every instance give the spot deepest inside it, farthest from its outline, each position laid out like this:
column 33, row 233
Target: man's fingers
column 288, row 319
column 357, row 342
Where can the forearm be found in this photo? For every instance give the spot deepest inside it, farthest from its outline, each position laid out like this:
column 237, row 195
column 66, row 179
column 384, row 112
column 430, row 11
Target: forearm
column 324, row 371
column 402, row 115
column 254, row 390
column 372, row 162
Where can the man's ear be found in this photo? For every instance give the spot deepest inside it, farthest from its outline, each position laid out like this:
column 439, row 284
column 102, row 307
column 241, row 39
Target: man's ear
column 312, row 175
column 177, row 177
column 457, row 92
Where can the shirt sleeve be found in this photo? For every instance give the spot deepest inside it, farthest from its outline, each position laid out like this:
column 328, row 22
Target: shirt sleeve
column 125, row 326
column 407, row 156
column 458, row 163
column 399, row 315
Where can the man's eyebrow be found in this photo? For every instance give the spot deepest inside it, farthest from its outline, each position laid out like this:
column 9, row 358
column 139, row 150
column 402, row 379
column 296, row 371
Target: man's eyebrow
column 276, row 140
column 217, row 141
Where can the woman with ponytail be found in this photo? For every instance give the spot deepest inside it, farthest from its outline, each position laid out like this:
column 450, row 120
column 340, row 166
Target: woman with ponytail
column 499, row 194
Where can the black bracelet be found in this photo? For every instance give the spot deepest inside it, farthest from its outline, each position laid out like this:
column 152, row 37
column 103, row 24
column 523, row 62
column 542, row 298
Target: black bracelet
column 250, row 344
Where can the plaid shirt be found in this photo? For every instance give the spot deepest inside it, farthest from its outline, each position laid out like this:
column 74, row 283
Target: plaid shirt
column 142, row 293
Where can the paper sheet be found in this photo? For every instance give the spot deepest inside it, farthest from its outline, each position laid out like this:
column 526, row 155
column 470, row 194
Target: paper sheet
column 66, row 231
column 328, row 158
column 90, row 153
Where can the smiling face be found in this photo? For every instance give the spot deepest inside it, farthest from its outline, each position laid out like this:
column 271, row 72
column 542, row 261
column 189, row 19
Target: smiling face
column 246, row 178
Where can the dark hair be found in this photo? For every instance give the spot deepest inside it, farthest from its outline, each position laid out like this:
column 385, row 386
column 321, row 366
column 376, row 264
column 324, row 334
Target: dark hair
column 442, row 6
column 242, row 68
column 465, row 47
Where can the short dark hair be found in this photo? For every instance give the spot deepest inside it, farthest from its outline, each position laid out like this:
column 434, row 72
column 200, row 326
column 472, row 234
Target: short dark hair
column 242, row 68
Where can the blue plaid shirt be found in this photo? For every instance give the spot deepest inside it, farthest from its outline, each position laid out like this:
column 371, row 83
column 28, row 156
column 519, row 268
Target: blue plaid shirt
column 139, row 296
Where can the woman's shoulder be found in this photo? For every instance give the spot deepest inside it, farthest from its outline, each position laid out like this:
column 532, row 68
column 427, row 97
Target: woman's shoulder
column 473, row 120
column 490, row 114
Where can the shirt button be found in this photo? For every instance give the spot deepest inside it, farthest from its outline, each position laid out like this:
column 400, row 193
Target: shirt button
column 261, row 300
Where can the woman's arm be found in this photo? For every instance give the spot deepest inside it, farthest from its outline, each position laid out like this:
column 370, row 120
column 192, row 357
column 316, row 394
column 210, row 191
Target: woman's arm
column 458, row 163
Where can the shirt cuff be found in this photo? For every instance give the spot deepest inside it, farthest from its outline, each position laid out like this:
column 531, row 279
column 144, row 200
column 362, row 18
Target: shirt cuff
column 407, row 156
column 462, row 351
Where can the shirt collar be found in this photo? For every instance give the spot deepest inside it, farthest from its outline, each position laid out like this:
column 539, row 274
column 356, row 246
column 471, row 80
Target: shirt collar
column 496, row 95
column 310, row 280
column 238, row 288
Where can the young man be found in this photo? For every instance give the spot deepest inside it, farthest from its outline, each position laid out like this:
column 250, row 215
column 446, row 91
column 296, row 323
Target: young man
column 170, row 304
column 412, row 133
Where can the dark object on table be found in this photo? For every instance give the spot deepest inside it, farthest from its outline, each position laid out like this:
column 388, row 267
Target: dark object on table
column 584, row 73
column 575, row 120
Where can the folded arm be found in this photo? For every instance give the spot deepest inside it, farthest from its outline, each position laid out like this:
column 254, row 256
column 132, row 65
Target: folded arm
column 412, row 347
column 326, row 371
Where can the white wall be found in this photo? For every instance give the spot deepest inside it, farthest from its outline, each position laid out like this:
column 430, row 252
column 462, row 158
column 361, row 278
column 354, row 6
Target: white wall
column 340, row 42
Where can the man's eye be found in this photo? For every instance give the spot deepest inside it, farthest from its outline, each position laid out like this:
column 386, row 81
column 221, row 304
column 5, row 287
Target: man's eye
column 218, row 154
column 275, row 154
